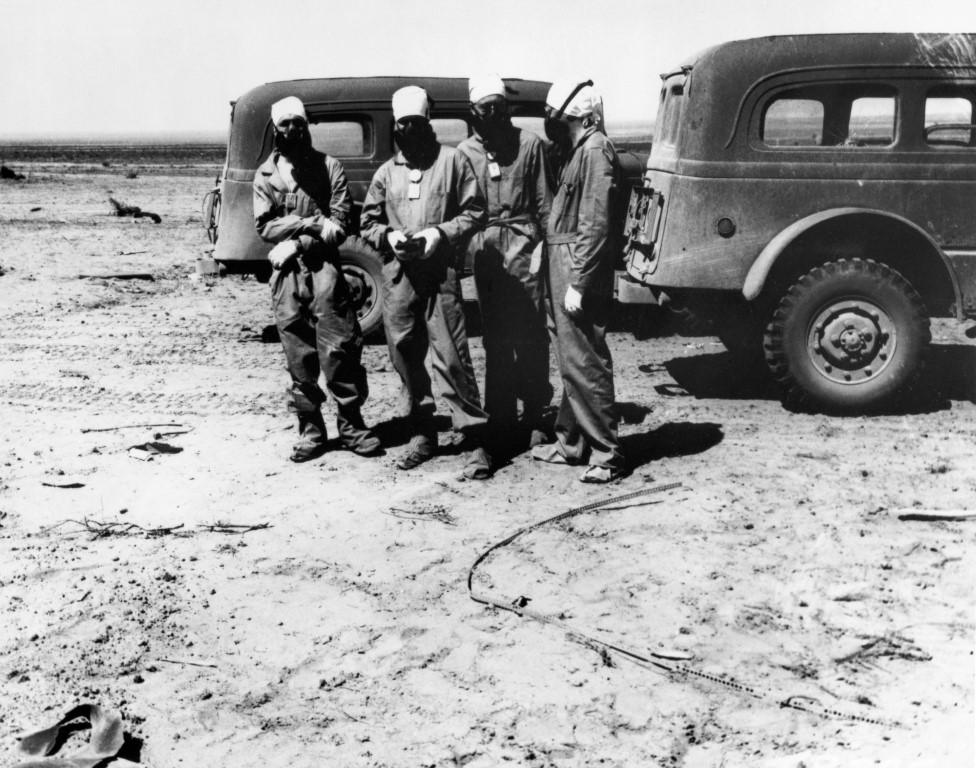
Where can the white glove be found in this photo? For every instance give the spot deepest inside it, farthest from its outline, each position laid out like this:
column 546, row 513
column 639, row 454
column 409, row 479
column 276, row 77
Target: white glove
column 330, row 232
column 573, row 301
column 282, row 252
column 324, row 229
column 432, row 238
column 394, row 237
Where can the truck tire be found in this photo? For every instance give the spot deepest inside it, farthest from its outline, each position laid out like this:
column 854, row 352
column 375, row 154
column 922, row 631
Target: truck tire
column 850, row 336
column 363, row 269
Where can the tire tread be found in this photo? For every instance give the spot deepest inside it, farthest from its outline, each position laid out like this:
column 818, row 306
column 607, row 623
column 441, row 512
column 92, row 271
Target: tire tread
column 773, row 339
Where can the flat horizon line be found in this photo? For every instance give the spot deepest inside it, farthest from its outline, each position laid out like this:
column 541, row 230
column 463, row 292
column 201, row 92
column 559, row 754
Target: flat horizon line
column 206, row 136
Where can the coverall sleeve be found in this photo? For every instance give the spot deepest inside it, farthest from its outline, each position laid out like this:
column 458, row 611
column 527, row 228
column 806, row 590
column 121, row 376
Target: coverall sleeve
column 340, row 206
column 271, row 227
column 373, row 221
column 541, row 191
column 593, row 225
column 472, row 211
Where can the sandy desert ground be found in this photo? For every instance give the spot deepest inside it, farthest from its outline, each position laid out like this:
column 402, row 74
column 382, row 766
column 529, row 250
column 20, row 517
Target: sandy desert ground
column 340, row 631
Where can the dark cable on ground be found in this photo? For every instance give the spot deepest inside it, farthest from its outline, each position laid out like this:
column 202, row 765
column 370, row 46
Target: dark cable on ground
column 657, row 661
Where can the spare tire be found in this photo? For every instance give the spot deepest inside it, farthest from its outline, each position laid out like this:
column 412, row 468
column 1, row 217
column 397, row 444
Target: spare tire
column 363, row 269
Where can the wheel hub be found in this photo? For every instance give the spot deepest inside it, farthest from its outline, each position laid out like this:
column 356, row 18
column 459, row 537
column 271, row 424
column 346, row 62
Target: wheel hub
column 360, row 288
column 852, row 341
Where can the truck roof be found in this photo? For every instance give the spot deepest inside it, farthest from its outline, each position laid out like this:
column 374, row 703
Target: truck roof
column 766, row 55
column 722, row 79
column 252, row 111
column 336, row 90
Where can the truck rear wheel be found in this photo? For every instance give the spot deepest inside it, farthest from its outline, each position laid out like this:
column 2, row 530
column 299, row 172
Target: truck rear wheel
column 363, row 269
column 849, row 337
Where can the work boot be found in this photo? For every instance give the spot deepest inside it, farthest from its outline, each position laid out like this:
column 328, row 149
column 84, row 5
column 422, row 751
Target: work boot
column 311, row 437
column 477, row 461
column 421, row 449
column 355, row 436
column 477, row 466
column 551, row 453
column 600, row 474
column 532, row 423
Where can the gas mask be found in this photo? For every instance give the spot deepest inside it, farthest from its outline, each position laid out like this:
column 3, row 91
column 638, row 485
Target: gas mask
column 292, row 139
column 490, row 118
column 557, row 129
column 414, row 137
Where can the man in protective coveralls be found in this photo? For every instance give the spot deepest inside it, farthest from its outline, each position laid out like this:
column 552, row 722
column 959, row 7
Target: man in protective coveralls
column 511, row 169
column 421, row 205
column 580, row 291
column 302, row 205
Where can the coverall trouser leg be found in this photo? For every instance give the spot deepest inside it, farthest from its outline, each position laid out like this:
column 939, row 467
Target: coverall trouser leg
column 422, row 312
column 586, row 424
column 513, row 328
column 319, row 331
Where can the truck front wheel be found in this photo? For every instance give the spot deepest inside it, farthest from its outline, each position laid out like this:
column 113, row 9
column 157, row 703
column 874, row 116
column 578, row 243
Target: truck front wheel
column 849, row 337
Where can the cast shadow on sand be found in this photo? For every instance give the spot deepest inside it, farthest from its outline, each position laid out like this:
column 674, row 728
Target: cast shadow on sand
column 670, row 441
column 666, row 441
column 949, row 374
column 718, row 375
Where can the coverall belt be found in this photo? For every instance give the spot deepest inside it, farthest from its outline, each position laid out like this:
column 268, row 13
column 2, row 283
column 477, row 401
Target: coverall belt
column 561, row 238
column 510, row 221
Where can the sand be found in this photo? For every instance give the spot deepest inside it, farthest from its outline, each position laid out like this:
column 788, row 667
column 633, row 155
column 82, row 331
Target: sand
column 340, row 631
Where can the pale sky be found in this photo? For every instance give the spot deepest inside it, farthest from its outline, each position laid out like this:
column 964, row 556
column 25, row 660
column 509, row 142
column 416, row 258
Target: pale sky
column 128, row 66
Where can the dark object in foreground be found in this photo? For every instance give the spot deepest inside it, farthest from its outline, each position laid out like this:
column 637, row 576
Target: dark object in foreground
column 107, row 739
column 146, row 451
column 121, row 209
column 10, row 173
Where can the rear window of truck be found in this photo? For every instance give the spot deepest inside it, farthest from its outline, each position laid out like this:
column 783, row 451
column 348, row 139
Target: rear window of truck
column 341, row 138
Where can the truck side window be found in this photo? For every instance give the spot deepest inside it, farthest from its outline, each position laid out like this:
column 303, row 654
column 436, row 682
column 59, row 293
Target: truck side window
column 793, row 123
column 340, row 138
column 841, row 115
column 872, row 122
column 949, row 120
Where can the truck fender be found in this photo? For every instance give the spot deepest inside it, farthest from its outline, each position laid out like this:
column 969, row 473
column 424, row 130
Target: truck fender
column 763, row 265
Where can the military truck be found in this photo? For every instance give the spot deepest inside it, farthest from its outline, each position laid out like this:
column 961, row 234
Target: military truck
column 349, row 118
column 813, row 197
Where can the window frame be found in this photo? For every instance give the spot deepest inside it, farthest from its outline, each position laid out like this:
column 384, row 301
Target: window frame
column 949, row 91
column 364, row 122
column 838, row 97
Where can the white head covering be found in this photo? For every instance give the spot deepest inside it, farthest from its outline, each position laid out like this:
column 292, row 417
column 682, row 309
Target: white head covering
column 483, row 86
column 290, row 106
column 587, row 100
column 411, row 101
